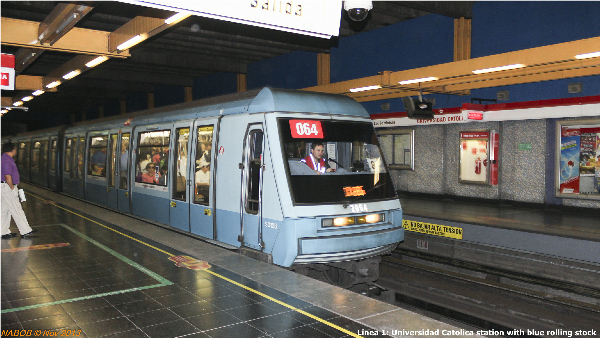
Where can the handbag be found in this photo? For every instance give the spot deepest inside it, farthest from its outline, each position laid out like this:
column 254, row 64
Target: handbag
column 180, row 183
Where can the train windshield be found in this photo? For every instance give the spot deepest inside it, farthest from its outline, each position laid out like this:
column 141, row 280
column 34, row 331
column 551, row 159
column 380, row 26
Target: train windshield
column 332, row 161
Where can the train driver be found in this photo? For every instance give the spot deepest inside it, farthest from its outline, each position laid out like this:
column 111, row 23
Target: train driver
column 315, row 160
column 150, row 175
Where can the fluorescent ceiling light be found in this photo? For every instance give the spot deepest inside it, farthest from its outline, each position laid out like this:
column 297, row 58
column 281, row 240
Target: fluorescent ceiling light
column 132, row 42
column 96, row 61
column 177, row 17
column 362, row 89
column 424, row 79
column 4, row 111
column 27, row 98
column 53, row 84
column 72, row 74
column 18, row 103
column 38, row 93
column 587, row 55
column 498, row 69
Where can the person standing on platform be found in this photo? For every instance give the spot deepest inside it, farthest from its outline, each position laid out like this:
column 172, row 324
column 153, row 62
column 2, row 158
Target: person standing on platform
column 11, row 206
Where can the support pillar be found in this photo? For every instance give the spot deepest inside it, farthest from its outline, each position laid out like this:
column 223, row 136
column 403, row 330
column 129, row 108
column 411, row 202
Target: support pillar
column 323, row 70
column 462, row 39
column 188, row 94
column 242, row 84
column 150, row 100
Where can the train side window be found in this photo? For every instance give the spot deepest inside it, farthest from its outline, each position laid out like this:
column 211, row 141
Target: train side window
column 124, row 161
column 97, row 153
column 21, row 154
column 180, row 164
column 80, row 150
column 152, row 155
column 35, row 155
column 113, row 160
column 53, row 154
column 254, row 166
column 202, row 165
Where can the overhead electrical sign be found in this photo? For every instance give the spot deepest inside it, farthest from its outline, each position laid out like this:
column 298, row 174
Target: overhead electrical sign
column 309, row 17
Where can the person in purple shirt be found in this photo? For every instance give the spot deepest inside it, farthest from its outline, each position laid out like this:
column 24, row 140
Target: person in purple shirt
column 11, row 206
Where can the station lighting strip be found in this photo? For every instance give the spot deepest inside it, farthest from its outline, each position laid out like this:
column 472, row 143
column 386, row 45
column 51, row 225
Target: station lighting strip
column 478, row 71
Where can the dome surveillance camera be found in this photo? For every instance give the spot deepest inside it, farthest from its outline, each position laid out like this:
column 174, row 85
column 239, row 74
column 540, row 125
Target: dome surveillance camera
column 358, row 9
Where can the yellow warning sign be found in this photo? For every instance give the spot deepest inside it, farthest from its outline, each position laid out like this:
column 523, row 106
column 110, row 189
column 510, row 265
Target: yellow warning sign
column 433, row 229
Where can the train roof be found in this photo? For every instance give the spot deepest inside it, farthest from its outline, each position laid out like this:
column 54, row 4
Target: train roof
column 252, row 101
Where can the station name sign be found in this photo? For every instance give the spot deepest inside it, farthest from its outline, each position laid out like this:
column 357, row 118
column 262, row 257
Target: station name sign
column 309, row 17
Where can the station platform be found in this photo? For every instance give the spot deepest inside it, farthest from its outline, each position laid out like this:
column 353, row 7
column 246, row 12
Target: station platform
column 561, row 244
column 91, row 272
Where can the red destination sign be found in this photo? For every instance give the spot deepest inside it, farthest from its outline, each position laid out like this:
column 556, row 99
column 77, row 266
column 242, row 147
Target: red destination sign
column 475, row 115
column 306, row 129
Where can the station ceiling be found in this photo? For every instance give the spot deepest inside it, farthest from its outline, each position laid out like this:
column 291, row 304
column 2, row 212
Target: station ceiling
column 193, row 48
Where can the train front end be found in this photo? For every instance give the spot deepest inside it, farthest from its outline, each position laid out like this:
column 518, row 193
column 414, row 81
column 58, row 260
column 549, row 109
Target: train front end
column 340, row 208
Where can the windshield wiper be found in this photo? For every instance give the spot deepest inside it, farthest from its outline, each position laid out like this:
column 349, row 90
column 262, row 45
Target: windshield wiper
column 345, row 205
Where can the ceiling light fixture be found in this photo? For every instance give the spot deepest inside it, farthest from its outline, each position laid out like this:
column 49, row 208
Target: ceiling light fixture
column 424, row 79
column 96, row 61
column 27, row 98
column 18, row 103
column 72, row 74
column 132, row 42
column 177, row 17
column 498, row 69
column 362, row 89
column 38, row 93
column 587, row 55
column 53, row 84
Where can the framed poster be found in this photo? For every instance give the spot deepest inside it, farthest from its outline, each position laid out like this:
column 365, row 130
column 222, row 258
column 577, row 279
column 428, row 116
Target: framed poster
column 474, row 157
column 578, row 159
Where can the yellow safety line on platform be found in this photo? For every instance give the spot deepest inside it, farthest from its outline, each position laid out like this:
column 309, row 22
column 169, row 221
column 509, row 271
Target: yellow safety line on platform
column 216, row 275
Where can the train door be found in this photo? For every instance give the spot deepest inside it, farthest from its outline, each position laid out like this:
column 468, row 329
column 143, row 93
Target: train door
column 176, row 174
column 150, row 194
column 112, row 172
column 96, row 168
column 35, row 162
column 44, row 163
column 78, row 167
column 68, row 169
column 124, row 158
column 52, row 172
column 201, row 169
column 251, row 191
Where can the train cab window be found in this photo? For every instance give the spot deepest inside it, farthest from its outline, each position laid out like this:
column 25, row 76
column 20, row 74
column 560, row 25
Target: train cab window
column 79, row 159
column 97, row 153
column 254, row 170
column 35, row 155
column 53, row 154
column 124, row 161
column 179, row 165
column 152, row 157
column 202, row 165
column 112, row 168
column 331, row 161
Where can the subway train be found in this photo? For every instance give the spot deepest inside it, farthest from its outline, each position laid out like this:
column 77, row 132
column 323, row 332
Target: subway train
column 238, row 170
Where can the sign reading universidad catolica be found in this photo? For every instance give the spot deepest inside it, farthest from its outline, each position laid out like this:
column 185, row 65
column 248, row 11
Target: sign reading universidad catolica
column 433, row 229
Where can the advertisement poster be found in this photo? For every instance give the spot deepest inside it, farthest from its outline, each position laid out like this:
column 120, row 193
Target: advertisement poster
column 569, row 159
column 474, row 157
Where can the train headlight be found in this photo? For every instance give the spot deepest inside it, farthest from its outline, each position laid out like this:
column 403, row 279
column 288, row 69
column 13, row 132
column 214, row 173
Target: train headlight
column 344, row 221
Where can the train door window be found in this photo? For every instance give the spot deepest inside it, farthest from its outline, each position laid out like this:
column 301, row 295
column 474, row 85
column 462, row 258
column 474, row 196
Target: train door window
column 124, row 161
column 35, row 155
column 53, row 154
column 113, row 160
column 202, row 167
column 21, row 154
column 254, row 166
column 68, row 155
column 43, row 156
column 152, row 155
column 97, row 153
column 80, row 150
column 180, row 164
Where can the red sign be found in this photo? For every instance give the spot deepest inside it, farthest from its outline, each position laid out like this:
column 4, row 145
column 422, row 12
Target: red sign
column 474, row 134
column 7, row 72
column 475, row 115
column 5, row 79
column 306, row 129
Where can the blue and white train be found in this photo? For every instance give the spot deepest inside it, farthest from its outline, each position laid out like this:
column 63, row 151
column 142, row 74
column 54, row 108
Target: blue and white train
column 229, row 170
